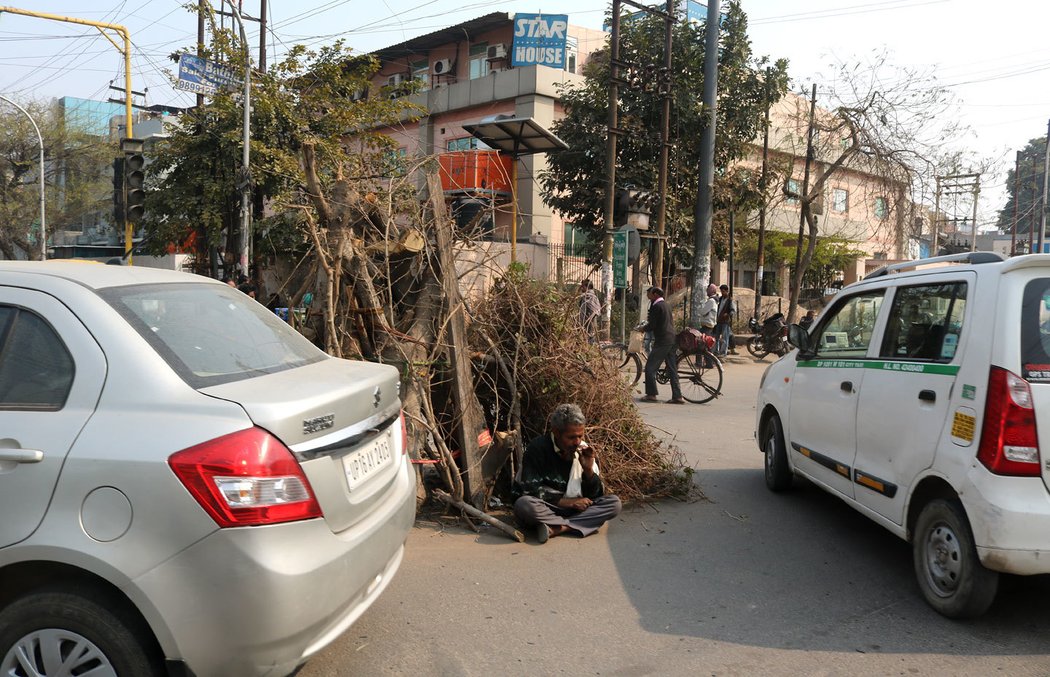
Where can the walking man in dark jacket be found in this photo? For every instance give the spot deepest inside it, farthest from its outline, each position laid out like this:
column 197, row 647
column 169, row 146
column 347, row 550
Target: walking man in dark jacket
column 661, row 324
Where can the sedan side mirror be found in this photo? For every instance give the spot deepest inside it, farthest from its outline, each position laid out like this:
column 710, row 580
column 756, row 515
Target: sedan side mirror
column 799, row 337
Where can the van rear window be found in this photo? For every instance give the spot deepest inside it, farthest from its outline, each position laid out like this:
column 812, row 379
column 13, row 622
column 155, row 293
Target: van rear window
column 1035, row 331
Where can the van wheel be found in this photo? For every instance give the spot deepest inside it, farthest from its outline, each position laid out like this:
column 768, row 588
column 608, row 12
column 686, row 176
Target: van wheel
column 55, row 632
column 778, row 473
column 950, row 574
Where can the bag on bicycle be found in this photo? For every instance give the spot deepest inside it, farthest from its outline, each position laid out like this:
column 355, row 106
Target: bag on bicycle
column 694, row 341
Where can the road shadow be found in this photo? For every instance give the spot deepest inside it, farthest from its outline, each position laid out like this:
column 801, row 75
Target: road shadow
column 800, row 570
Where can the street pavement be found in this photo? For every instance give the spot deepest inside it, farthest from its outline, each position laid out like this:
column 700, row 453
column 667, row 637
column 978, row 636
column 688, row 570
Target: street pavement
column 744, row 582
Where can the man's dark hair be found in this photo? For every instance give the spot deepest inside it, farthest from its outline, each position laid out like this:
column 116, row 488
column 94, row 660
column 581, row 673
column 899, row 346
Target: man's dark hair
column 724, row 287
column 566, row 415
column 656, row 290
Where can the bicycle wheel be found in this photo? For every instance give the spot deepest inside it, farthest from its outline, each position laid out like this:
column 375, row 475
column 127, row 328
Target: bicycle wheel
column 700, row 377
column 626, row 364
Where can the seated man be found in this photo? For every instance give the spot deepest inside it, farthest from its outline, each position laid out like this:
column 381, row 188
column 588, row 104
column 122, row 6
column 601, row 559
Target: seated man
column 560, row 490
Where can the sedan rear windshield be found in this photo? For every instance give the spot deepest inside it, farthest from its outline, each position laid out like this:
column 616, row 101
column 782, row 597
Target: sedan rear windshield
column 1035, row 331
column 210, row 333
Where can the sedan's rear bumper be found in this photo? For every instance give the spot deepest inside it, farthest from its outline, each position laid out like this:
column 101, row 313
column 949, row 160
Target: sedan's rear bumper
column 261, row 600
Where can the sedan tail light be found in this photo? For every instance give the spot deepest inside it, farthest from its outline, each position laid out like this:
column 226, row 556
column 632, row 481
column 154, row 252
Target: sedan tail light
column 246, row 478
column 1009, row 441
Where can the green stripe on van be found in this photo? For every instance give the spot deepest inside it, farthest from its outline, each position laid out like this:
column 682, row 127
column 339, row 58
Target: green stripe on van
column 909, row 367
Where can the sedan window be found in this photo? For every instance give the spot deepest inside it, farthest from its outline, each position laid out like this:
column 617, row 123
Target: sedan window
column 36, row 369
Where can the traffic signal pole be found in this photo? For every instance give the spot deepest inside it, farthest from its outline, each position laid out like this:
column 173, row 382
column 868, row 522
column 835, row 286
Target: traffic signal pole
column 126, row 51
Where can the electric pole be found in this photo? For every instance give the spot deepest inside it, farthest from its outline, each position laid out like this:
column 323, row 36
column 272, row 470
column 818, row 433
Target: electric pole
column 763, row 184
column 703, row 208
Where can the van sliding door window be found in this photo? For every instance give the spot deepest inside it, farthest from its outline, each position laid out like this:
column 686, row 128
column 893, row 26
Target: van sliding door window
column 925, row 322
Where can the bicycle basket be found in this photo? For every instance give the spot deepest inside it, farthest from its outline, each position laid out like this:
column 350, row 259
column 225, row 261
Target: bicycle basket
column 635, row 343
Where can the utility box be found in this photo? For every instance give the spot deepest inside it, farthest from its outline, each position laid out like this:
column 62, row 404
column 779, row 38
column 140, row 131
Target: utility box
column 475, row 171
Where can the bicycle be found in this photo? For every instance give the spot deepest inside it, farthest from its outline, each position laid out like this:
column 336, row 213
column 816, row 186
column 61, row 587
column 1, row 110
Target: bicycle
column 699, row 373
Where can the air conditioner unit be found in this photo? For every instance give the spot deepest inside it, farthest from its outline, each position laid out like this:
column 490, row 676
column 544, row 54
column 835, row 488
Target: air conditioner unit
column 441, row 67
column 497, row 51
column 395, row 80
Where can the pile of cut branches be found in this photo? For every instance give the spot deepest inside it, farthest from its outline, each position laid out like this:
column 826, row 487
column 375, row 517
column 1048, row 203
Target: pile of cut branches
column 535, row 329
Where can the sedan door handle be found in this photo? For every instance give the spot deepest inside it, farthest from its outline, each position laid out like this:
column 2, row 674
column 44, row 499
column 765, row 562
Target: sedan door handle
column 927, row 396
column 22, row 455
column 846, row 386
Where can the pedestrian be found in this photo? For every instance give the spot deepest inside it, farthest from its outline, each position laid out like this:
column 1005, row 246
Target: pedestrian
column 661, row 324
column 807, row 321
column 590, row 309
column 709, row 311
column 724, row 326
column 560, row 490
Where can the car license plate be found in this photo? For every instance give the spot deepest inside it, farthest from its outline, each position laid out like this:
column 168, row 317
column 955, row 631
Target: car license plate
column 363, row 463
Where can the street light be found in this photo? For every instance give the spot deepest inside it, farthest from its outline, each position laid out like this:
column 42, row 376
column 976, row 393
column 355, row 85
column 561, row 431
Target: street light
column 245, row 178
column 40, row 139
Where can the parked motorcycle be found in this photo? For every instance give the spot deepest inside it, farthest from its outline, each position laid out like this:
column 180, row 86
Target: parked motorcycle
column 769, row 337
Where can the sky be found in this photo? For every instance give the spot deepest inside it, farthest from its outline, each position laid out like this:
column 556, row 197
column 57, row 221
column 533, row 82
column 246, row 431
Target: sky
column 995, row 59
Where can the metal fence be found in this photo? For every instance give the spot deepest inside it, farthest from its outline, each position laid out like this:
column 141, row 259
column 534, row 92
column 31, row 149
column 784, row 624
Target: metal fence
column 568, row 265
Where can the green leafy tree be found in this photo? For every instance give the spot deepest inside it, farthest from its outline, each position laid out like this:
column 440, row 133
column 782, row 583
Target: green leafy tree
column 574, row 182
column 831, row 255
column 306, row 101
column 1022, row 197
column 77, row 175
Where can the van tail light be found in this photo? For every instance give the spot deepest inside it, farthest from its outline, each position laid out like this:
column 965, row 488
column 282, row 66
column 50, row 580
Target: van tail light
column 246, row 478
column 1009, row 442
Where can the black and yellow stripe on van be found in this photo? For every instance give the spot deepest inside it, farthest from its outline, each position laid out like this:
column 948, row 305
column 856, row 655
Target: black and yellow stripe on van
column 887, row 489
column 826, row 461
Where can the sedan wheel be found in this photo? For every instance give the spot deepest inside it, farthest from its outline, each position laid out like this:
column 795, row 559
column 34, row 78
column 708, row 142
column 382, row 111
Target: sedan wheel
column 54, row 652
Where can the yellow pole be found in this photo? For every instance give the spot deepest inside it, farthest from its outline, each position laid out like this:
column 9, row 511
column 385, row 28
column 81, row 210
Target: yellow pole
column 102, row 27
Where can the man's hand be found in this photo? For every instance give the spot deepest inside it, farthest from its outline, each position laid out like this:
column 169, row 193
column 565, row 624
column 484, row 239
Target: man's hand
column 580, row 503
column 587, row 456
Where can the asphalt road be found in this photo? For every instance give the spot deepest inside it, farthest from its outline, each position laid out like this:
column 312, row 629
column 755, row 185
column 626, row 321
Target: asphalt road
column 743, row 583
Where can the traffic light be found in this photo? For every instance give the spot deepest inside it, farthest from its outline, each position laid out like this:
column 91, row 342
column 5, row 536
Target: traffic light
column 118, row 191
column 134, row 178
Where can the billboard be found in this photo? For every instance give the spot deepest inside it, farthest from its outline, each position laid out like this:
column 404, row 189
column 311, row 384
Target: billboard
column 200, row 76
column 539, row 40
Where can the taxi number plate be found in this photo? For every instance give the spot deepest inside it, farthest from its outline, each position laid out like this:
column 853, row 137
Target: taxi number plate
column 363, row 463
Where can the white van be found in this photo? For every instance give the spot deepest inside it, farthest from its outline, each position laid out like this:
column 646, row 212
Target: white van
column 918, row 397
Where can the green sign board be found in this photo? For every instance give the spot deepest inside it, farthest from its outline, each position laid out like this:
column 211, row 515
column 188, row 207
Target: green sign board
column 619, row 261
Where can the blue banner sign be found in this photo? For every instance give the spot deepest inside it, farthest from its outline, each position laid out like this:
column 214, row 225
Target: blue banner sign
column 204, row 77
column 539, row 40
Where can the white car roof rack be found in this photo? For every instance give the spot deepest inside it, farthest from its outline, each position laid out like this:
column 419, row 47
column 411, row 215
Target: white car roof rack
column 965, row 257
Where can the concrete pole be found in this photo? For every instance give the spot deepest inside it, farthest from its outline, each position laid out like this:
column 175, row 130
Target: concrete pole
column 246, row 174
column 763, row 183
column 702, row 211
column 976, row 194
column 1017, row 198
column 665, row 144
column 40, row 140
column 610, row 162
column 1046, row 185
column 936, row 219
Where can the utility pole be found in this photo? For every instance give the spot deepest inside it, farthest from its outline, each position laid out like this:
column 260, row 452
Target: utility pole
column 665, row 144
column 796, row 287
column 244, row 180
column 976, row 193
column 1017, row 198
column 702, row 209
column 1046, row 185
column 763, row 183
column 610, row 162
column 936, row 219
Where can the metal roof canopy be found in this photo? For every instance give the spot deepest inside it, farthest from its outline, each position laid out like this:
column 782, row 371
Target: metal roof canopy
column 515, row 136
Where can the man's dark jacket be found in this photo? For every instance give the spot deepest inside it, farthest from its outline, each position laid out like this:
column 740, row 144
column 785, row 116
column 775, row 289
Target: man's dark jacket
column 545, row 474
column 661, row 324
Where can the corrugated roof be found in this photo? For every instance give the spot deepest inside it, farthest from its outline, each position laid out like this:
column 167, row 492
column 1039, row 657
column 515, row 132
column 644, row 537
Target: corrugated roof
column 460, row 32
